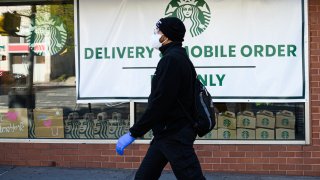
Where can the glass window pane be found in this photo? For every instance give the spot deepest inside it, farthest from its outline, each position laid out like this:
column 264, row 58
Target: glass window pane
column 37, row 88
column 139, row 110
column 253, row 121
column 104, row 122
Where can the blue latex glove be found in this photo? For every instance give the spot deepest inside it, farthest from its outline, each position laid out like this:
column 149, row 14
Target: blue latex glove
column 123, row 142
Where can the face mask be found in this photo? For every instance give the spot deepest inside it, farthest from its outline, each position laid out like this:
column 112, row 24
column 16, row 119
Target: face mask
column 155, row 41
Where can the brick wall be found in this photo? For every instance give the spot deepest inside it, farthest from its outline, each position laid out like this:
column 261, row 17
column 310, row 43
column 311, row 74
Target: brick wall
column 255, row 159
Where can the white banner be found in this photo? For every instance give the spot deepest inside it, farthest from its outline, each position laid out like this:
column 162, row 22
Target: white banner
column 244, row 49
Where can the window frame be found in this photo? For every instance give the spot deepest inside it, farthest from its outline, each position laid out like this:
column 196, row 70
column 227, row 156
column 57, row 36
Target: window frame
column 307, row 102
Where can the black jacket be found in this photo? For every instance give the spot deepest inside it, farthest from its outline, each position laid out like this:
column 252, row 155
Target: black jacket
column 173, row 80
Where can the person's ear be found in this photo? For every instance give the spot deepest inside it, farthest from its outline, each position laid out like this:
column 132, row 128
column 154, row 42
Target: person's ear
column 163, row 38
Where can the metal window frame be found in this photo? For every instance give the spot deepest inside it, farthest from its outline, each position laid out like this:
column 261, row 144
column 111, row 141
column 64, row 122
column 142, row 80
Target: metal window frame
column 33, row 2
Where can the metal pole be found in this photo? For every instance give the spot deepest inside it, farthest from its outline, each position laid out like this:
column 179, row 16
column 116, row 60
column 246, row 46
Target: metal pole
column 90, row 110
column 31, row 52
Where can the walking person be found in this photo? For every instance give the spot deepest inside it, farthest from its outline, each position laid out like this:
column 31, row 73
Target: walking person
column 172, row 87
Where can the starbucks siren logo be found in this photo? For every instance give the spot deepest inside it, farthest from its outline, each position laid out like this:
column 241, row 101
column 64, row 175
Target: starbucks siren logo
column 285, row 122
column 285, row 135
column 264, row 135
column 246, row 122
column 226, row 134
column 265, row 121
column 195, row 14
column 245, row 134
column 50, row 35
column 226, row 122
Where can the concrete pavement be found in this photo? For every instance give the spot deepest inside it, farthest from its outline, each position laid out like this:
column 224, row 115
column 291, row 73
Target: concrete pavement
column 55, row 173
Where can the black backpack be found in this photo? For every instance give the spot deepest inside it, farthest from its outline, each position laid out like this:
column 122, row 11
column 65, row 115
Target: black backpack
column 203, row 117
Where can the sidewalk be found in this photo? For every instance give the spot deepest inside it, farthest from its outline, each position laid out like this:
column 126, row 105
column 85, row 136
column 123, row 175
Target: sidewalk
column 50, row 173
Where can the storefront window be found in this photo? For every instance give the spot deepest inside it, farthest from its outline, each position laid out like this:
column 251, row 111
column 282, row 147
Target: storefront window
column 254, row 121
column 38, row 41
column 38, row 94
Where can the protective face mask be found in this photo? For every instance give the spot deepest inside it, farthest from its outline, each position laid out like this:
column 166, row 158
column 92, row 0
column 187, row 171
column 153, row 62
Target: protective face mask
column 155, row 41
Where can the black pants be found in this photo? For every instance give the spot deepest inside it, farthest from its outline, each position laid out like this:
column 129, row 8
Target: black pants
column 182, row 158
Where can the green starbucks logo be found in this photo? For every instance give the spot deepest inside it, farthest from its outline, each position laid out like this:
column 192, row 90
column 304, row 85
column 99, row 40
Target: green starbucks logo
column 246, row 122
column 285, row 122
column 264, row 135
column 285, row 135
column 226, row 122
column 195, row 14
column 265, row 121
column 245, row 134
column 226, row 134
column 50, row 35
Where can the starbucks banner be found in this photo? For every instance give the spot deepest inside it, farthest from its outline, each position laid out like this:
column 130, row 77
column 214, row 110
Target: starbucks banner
column 244, row 49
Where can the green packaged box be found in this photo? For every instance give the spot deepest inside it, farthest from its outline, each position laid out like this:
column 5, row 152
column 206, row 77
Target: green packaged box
column 211, row 135
column 227, row 133
column 246, row 119
column 265, row 119
column 246, row 133
column 284, row 134
column 285, row 119
column 227, row 120
column 262, row 133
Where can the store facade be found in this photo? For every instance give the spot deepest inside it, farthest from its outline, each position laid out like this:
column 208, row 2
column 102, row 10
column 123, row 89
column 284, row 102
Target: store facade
column 75, row 75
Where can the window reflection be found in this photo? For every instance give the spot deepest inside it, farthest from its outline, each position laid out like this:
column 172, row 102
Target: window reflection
column 104, row 122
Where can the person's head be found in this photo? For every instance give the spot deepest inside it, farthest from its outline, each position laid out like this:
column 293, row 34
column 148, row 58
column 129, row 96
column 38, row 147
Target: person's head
column 169, row 29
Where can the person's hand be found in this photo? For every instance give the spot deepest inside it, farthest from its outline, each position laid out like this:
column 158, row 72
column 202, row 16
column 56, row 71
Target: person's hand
column 123, row 142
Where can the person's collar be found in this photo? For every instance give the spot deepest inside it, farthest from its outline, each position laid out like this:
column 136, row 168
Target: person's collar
column 164, row 48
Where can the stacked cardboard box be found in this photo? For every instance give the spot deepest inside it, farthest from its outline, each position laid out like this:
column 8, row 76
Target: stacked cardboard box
column 14, row 117
column 263, row 133
column 246, row 133
column 227, row 125
column 265, row 125
column 284, row 134
column 226, row 133
column 246, row 124
column 285, row 119
column 285, row 125
column 211, row 135
column 48, row 123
